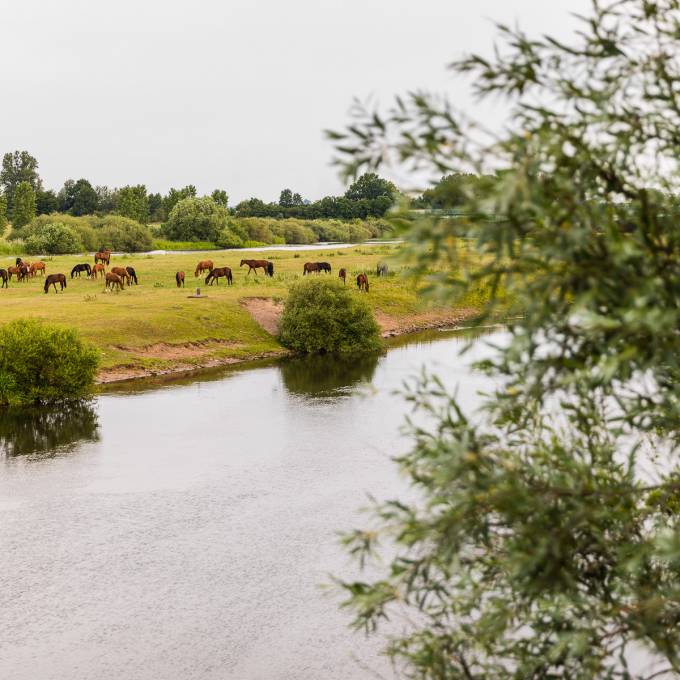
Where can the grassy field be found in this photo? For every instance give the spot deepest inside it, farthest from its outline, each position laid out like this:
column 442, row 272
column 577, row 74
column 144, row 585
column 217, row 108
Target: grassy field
column 155, row 326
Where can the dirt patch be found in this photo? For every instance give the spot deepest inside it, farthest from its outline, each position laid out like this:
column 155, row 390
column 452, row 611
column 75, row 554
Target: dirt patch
column 393, row 325
column 186, row 350
column 265, row 311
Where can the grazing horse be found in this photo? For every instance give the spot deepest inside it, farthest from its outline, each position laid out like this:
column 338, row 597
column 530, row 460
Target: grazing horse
column 85, row 267
column 103, row 256
column 342, row 274
column 362, row 282
column 215, row 275
column 53, row 280
column 24, row 272
column 179, row 278
column 381, row 269
column 18, row 261
column 14, row 270
column 113, row 280
column 123, row 273
column 3, row 276
column 38, row 267
column 310, row 267
column 204, row 266
column 324, row 267
column 133, row 275
column 254, row 265
column 98, row 269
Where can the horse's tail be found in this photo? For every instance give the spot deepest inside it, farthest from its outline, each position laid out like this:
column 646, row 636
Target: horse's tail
column 230, row 277
column 270, row 268
column 63, row 280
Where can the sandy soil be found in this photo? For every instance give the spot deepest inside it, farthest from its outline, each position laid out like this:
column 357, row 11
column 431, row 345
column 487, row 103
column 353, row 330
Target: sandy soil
column 190, row 350
column 265, row 311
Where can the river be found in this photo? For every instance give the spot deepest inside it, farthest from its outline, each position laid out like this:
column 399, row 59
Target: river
column 184, row 530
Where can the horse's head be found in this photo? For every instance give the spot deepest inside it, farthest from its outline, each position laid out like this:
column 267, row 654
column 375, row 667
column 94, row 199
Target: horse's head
column 242, row 263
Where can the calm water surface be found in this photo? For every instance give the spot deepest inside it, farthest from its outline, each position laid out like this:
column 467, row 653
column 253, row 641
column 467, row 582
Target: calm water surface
column 183, row 531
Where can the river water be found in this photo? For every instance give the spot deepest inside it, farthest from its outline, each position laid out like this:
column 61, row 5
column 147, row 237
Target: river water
column 185, row 530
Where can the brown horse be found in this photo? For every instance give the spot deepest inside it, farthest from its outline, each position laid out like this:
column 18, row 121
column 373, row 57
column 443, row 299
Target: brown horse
column 179, row 279
column 38, row 267
column 133, row 275
column 53, row 280
column 362, row 282
column 24, row 272
column 3, row 276
column 98, row 269
column 123, row 273
column 215, row 275
column 113, row 280
column 103, row 256
column 310, row 267
column 13, row 270
column 342, row 274
column 204, row 266
column 253, row 265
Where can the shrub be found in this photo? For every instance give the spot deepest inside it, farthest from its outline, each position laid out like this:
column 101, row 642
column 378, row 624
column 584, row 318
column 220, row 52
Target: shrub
column 123, row 234
column 40, row 363
column 228, row 239
column 82, row 226
column 53, row 239
column 323, row 316
column 196, row 219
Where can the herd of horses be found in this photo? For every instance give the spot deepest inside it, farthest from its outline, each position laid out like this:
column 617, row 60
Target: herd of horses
column 119, row 277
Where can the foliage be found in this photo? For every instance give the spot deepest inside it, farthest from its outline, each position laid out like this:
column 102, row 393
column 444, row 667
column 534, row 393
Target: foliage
column 123, row 234
column 543, row 540
column 83, row 227
column 132, row 202
column 3, row 213
column 368, row 187
column 40, row 363
column 176, row 195
column 454, row 190
column 323, row 316
column 53, row 239
column 199, row 219
column 23, row 210
column 18, row 167
column 78, row 198
column 228, row 239
column 220, row 197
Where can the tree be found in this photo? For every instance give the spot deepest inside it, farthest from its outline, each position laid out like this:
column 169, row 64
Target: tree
column 106, row 199
column 370, row 186
column 156, row 211
column 286, row 198
column 78, row 198
column 176, row 195
column 18, row 167
column 24, row 205
column 542, row 539
column 196, row 219
column 53, row 239
column 3, row 213
column 220, row 197
column 132, row 202
column 46, row 202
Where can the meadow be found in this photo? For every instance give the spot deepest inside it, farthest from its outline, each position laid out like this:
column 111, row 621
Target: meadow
column 155, row 327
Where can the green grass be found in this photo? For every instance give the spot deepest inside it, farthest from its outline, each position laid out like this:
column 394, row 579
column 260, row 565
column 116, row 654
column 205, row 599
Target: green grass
column 122, row 324
column 165, row 244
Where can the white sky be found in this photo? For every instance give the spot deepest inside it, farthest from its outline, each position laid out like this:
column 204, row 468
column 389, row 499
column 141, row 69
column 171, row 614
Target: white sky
column 232, row 94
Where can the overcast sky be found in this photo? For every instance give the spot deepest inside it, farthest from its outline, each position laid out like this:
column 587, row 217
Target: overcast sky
column 229, row 94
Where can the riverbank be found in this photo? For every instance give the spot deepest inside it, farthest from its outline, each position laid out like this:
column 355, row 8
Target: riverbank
column 157, row 329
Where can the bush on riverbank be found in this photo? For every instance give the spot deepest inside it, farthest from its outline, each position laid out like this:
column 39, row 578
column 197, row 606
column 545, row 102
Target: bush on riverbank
column 53, row 239
column 323, row 316
column 41, row 363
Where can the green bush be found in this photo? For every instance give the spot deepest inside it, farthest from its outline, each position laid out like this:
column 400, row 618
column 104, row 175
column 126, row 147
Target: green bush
column 196, row 219
column 40, row 363
column 323, row 316
column 123, row 234
column 53, row 239
column 228, row 239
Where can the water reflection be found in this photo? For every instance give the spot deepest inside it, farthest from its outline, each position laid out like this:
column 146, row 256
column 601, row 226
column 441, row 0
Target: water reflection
column 323, row 375
column 47, row 431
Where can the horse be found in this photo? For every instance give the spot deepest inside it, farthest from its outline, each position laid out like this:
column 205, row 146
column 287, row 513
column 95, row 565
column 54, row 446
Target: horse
column 18, row 261
column 254, row 265
column 96, row 270
column 179, row 278
column 113, row 280
column 362, row 282
column 123, row 273
column 84, row 267
column 14, row 270
column 53, row 280
column 133, row 274
column 342, row 274
column 324, row 267
column 204, row 266
column 310, row 267
column 24, row 271
column 37, row 267
column 103, row 256
column 215, row 275
column 381, row 269
column 3, row 276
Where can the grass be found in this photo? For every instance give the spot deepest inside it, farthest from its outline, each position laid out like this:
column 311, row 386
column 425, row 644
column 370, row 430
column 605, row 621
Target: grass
column 124, row 324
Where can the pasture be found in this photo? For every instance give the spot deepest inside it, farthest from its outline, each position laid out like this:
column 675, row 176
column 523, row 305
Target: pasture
column 156, row 326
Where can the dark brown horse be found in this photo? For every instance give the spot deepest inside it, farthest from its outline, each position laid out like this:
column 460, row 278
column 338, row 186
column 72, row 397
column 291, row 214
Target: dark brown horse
column 179, row 278
column 24, row 272
column 113, row 280
column 98, row 269
column 215, row 274
column 103, row 256
column 204, row 266
column 3, row 277
column 84, row 267
column 133, row 275
column 13, row 270
column 342, row 274
column 122, row 273
column 253, row 265
column 362, row 282
column 37, row 267
column 53, row 280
